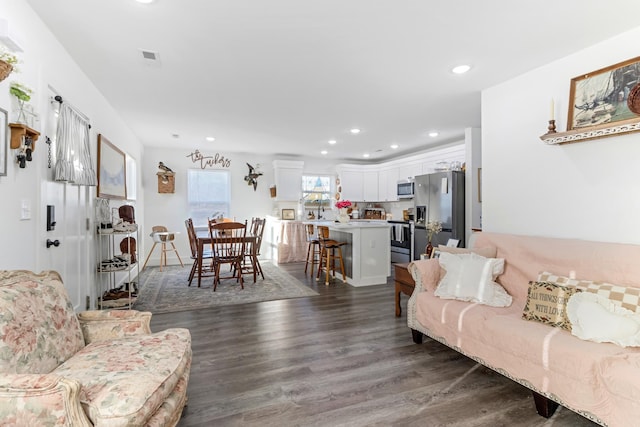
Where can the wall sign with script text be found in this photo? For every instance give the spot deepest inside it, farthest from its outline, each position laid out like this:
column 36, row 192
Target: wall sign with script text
column 209, row 161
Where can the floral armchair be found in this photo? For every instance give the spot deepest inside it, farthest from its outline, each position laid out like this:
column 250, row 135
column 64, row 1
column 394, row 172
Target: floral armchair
column 102, row 368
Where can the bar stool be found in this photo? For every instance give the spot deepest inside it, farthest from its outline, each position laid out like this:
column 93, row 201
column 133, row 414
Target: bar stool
column 330, row 252
column 313, row 249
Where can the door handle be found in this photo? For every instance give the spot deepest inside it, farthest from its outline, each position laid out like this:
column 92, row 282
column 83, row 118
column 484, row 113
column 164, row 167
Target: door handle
column 55, row 243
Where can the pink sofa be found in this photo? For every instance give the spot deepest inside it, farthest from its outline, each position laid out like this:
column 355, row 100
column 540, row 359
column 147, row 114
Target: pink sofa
column 600, row 381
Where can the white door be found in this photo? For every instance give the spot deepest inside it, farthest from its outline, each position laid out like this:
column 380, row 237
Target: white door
column 74, row 255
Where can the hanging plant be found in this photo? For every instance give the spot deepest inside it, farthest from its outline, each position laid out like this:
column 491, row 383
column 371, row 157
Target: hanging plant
column 8, row 63
column 20, row 91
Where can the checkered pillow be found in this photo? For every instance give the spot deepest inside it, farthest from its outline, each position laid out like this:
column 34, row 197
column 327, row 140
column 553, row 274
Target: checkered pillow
column 622, row 296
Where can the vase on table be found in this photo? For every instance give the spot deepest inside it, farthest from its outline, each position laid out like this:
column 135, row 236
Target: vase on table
column 343, row 216
column 429, row 249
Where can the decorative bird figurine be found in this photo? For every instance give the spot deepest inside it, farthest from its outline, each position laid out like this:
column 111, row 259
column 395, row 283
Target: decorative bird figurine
column 164, row 167
column 252, row 177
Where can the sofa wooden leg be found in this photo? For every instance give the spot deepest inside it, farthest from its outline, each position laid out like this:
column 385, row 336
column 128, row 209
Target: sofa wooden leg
column 417, row 336
column 545, row 406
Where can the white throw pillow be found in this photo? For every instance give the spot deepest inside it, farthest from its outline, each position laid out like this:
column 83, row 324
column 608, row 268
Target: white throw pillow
column 471, row 277
column 595, row 318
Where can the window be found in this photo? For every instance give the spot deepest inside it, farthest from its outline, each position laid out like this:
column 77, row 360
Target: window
column 316, row 191
column 209, row 194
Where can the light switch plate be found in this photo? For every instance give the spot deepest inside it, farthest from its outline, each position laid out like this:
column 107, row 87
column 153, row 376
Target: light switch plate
column 25, row 209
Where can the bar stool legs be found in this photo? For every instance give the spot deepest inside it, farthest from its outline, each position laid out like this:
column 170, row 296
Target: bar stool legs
column 330, row 253
column 313, row 256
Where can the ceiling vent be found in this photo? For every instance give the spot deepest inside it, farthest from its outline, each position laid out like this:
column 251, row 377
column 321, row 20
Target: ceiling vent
column 150, row 57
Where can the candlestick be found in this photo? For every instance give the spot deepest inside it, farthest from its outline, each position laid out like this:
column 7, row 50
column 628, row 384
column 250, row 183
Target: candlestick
column 552, row 127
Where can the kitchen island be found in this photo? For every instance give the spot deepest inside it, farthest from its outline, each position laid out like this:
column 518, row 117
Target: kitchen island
column 367, row 253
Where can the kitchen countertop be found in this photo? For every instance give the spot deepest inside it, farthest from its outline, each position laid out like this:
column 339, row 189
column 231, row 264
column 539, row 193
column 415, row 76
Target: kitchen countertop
column 357, row 223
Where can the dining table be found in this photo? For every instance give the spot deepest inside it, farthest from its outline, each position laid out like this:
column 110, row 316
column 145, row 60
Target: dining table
column 204, row 238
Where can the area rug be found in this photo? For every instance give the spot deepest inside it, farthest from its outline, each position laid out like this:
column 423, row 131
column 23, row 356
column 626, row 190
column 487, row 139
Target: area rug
column 166, row 291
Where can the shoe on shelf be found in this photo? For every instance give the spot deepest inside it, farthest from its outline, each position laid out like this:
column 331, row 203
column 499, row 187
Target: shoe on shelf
column 125, row 227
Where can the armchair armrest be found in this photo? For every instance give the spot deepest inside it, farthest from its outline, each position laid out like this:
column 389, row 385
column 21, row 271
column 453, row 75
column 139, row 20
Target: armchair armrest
column 100, row 325
column 426, row 274
column 40, row 399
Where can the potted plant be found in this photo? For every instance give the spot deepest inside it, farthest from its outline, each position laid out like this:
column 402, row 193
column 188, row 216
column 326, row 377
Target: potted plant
column 23, row 95
column 8, row 63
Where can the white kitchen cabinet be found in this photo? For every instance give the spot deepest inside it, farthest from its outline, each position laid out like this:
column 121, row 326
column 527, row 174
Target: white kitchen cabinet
column 288, row 177
column 352, row 185
column 370, row 186
column 411, row 170
column 387, row 185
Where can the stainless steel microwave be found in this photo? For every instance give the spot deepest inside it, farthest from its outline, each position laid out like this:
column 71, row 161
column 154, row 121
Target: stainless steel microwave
column 406, row 189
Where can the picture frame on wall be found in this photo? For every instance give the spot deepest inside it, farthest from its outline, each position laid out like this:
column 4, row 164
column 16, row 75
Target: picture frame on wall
column 112, row 170
column 289, row 214
column 4, row 131
column 600, row 97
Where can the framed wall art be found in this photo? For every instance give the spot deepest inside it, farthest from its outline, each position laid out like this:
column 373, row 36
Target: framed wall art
column 4, row 131
column 600, row 97
column 288, row 214
column 112, row 167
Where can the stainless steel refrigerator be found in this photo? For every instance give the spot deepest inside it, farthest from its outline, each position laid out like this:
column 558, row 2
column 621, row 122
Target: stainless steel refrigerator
column 439, row 197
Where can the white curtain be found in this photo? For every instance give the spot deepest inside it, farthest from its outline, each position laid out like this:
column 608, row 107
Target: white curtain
column 73, row 159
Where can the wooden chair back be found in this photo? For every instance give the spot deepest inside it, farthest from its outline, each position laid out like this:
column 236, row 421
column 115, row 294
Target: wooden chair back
column 227, row 241
column 257, row 230
column 193, row 240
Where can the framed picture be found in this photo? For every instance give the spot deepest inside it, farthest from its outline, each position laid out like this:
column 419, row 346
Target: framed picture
column 288, row 214
column 453, row 243
column 112, row 167
column 4, row 126
column 600, row 97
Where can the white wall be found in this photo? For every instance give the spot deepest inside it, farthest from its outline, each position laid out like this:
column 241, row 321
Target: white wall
column 171, row 209
column 588, row 190
column 46, row 63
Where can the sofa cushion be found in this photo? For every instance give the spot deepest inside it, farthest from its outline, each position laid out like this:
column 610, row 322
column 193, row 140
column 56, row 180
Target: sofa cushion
column 623, row 296
column 125, row 381
column 487, row 252
column 470, row 277
column 547, row 303
column 598, row 319
column 38, row 327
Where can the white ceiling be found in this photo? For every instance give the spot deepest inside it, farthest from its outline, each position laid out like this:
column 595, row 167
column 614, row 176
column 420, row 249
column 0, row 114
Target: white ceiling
column 285, row 76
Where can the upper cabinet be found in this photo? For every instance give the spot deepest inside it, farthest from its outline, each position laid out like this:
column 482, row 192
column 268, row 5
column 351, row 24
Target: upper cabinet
column 288, row 177
column 387, row 185
column 351, row 185
column 370, row 186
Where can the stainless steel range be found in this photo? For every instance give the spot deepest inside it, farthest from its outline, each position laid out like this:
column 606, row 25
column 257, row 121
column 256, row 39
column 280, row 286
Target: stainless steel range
column 401, row 241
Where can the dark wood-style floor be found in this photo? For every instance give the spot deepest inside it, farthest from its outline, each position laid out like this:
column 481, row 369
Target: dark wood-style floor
column 338, row 359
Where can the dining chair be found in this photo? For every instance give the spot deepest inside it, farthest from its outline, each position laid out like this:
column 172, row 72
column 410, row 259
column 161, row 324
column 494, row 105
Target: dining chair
column 193, row 244
column 160, row 234
column 251, row 263
column 228, row 246
column 330, row 253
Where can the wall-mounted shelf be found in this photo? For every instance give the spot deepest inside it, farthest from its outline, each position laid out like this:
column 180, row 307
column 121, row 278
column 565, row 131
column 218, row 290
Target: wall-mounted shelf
column 601, row 131
column 18, row 130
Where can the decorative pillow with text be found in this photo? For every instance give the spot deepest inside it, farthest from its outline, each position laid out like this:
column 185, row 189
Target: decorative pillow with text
column 547, row 303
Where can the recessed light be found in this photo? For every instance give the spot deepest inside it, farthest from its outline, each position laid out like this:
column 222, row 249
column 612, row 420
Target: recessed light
column 394, row 146
column 365, row 155
column 433, row 134
column 332, row 141
column 323, row 152
column 210, row 138
column 461, row 69
column 145, row 1
column 355, row 131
